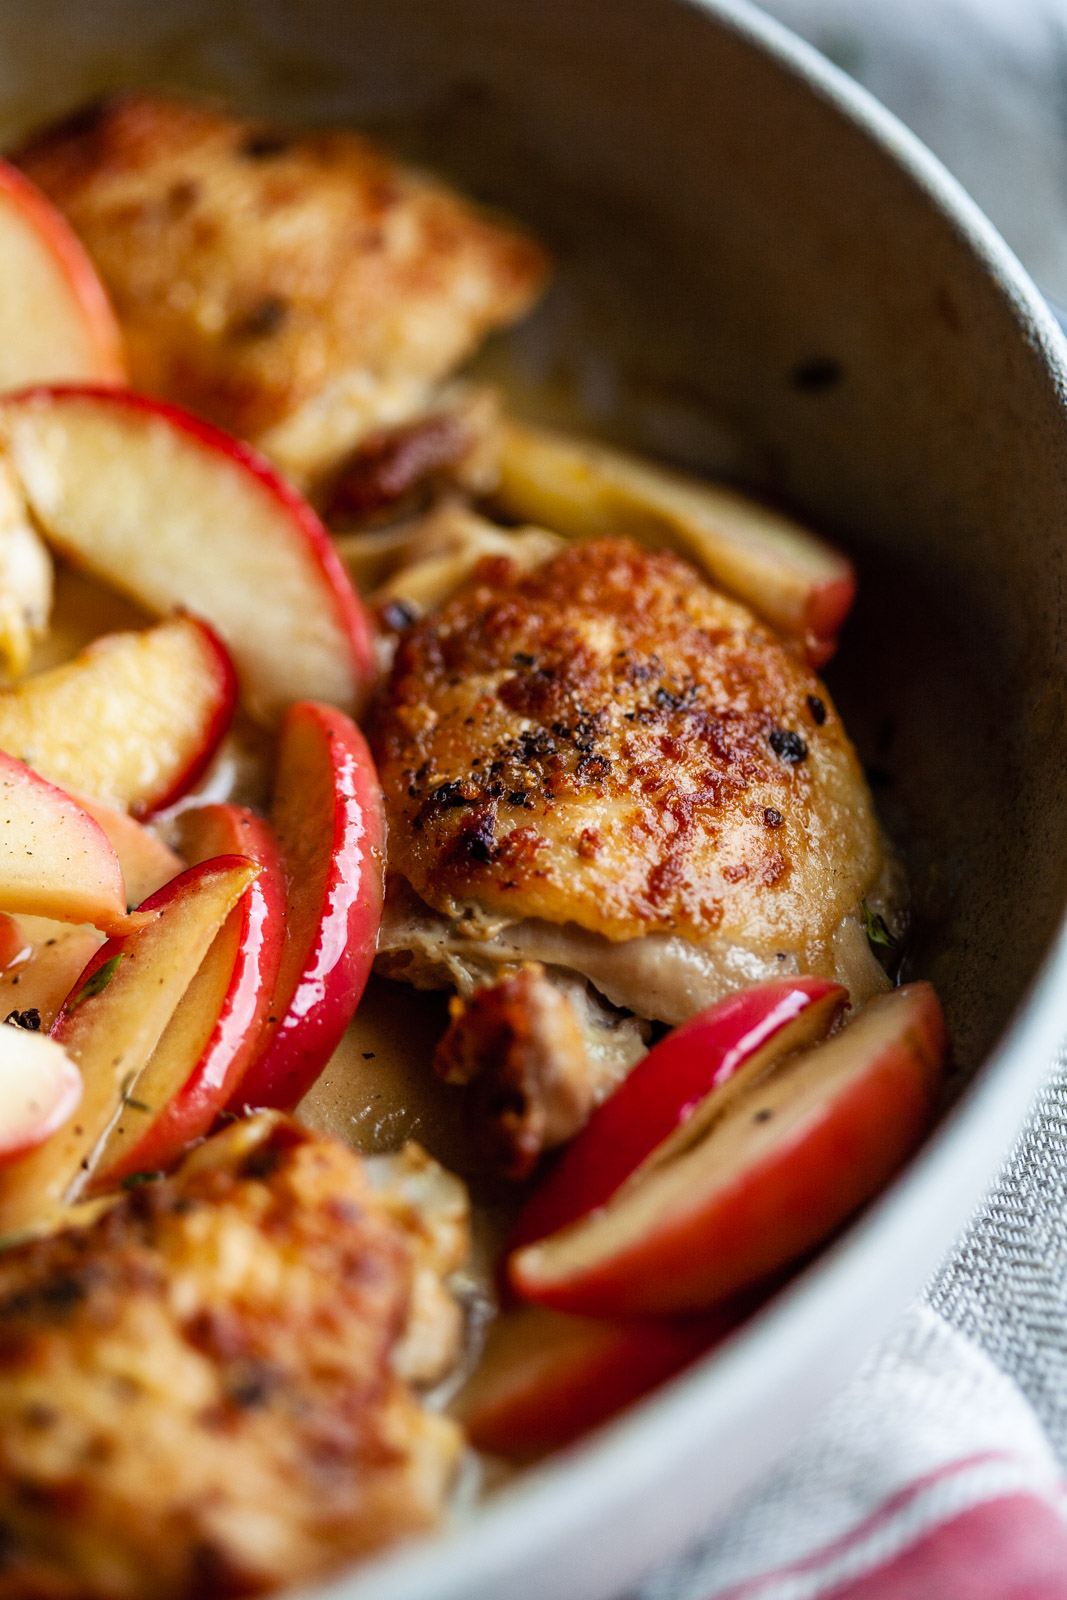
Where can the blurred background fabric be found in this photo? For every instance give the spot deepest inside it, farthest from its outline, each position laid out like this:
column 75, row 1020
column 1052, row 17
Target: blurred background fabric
column 984, row 84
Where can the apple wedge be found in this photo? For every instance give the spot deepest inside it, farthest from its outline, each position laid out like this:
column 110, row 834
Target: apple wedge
column 55, row 859
column 56, row 322
column 50, row 957
column 26, row 578
column 133, row 720
column 146, row 862
column 544, row 1378
column 13, row 942
column 177, row 514
column 210, row 1040
column 328, row 817
column 735, row 1041
column 112, row 1023
column 40, row 1088
column 802, row 586
column 786, row 1163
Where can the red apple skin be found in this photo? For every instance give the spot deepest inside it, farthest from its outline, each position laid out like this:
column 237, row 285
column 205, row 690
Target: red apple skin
column 830, row 605
column 215, row 728
column 13, row 941
column 355, row 620
column 747, row 1029
column 329, row 819
column 545, row 1379
column 206, row 833
column 75, row 265
column 721, row 1238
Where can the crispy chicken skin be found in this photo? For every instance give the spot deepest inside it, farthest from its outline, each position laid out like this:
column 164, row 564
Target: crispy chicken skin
column 196, row 1391
column 610, row 742
column 299, row 290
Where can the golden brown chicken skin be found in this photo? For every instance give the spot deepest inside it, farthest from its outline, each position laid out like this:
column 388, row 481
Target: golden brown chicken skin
column 611, row 743
column 297, row 289
column 196, row 1392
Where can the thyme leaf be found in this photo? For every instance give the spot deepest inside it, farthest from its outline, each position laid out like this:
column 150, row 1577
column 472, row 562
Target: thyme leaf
column 877, row 932
column 97, row 983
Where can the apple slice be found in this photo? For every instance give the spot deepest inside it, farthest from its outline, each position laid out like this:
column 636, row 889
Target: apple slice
column 40, row 1088
column 112, row 1022
column 133, row 720
column 177, row 514
column 56, row 322
column 210, row 1040
column 802, row 586
column 146, row 862
column 735, row 1041
column 544, row 1378
column 51, row 955
column 330, row 823
column 55, row 859
column 13, row 942
column 26, row 577
column 726, row 1200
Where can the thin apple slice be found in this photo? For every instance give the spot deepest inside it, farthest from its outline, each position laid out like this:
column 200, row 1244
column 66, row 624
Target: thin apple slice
column 50, row 957
column 787, row 1162
column 146, row 862
column 110, row 1025
column 330, row 823
column 544, row 1378
column 175, row 513
column 735, row 1041
column 133, row 720
column 26, row 577
column 799, row 584
column 56, row 322
column 55, row 859
column 13, row 942
column 40, row 1088
column 210, row 1040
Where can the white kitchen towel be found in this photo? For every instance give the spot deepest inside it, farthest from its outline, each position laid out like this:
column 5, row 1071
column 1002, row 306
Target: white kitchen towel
column 938, row 1473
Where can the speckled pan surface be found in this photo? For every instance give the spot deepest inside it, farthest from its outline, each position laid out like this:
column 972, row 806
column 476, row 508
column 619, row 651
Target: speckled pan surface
column 762, row 274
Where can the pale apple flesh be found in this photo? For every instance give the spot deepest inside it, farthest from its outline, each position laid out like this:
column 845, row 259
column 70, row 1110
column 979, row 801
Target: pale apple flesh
column 735, row 1041
column 110, row 1025
column 40, row 1088
column 210, row 1040
column 177, row 514
column 42, row 972
column 56, row 322
column 55, row 859
column 147, row 863
column 132, row 720
column 329, row 820
column 795, row 581
column 26, row 578
column 786, row 1164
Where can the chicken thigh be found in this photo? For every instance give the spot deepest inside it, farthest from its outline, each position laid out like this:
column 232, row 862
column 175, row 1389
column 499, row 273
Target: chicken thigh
column 608, row 768
column 301, row 290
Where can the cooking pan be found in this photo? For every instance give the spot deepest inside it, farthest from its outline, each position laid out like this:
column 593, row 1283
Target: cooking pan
column 761, row 274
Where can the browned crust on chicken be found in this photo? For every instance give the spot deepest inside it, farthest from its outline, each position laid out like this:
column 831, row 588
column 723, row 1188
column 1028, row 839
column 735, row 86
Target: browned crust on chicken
column 196, row 1396
column 252, row 267
column 518, row 1046
column 611, row 742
